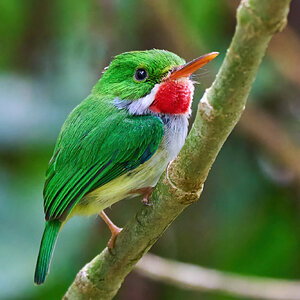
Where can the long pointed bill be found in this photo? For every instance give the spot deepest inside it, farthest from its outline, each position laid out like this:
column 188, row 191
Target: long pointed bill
column 192, row 66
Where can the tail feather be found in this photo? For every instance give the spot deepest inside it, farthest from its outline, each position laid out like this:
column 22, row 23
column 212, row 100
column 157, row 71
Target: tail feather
column 46, row 250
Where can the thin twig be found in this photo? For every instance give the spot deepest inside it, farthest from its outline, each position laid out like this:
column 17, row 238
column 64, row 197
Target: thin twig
column 192, row 277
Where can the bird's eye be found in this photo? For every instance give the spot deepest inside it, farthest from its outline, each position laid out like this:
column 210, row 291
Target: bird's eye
column 140, row 75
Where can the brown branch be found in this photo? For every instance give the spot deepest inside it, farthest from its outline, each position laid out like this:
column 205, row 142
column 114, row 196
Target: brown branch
column 284, row 50
column 267, row 132
column 196, row 278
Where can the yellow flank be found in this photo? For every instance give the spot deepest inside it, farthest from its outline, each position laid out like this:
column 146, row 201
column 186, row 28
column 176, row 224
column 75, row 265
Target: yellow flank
column 146, row 175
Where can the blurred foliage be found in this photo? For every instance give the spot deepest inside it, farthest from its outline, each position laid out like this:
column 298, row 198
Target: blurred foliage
column 52, row 52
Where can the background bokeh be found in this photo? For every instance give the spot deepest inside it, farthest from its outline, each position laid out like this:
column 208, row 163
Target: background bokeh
column 248, row 218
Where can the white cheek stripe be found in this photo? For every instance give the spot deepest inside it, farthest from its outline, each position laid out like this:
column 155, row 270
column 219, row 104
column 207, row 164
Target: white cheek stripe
column 141, row 106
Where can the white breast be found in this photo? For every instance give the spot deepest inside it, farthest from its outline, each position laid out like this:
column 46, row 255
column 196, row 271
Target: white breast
column 176, row 128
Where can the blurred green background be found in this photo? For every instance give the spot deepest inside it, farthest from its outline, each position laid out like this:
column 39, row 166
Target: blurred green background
column 248, row 218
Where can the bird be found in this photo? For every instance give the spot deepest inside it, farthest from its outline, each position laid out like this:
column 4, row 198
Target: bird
column 118, row 141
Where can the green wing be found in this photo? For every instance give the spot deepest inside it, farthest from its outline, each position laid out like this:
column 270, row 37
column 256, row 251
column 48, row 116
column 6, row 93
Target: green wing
column 96, row 145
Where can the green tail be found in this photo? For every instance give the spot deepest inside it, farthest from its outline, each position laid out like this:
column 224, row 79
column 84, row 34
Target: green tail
column 46, row 250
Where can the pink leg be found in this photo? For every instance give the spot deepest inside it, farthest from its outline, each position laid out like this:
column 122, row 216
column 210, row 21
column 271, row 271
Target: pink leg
column 115, row 230
column 146, row 192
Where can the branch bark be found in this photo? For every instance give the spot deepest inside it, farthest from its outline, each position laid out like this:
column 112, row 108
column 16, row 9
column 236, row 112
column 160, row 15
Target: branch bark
column 218, row 112
column 196, row 278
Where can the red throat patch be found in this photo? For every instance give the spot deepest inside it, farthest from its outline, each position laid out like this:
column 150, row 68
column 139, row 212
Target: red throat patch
column 173, row 97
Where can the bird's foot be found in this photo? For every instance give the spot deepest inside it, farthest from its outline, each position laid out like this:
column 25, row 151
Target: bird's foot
column 115, row 230
column 146, row 192
column 112, row 240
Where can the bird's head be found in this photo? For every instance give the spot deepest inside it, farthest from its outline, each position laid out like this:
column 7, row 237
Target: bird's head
column 153, row 81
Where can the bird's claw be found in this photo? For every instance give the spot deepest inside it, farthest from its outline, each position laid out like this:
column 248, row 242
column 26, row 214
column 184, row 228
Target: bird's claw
column 147, row 201
column 112, row 240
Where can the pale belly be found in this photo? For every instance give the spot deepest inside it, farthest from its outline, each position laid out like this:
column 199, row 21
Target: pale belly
column 146, row 175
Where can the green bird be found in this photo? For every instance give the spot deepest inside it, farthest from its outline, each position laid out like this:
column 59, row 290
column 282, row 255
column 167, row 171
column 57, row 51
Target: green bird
column 118, row 141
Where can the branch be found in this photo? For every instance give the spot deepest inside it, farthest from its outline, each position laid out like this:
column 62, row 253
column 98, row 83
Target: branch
column 284, row 50
column 260, row 126
column 218, row 112
column 191, row 277
column 255, row 123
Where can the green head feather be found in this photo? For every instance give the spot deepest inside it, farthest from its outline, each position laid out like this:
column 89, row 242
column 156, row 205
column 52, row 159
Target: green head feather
column 119, row 78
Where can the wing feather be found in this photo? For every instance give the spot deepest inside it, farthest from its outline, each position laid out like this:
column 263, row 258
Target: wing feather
column 90, row 153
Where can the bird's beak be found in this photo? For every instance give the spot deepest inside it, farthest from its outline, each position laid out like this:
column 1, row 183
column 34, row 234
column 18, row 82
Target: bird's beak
column 189, row 68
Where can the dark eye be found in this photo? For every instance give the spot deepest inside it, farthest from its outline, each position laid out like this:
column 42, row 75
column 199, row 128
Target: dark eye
column 140, row 74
